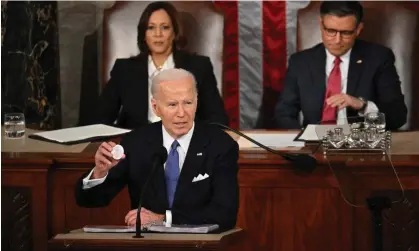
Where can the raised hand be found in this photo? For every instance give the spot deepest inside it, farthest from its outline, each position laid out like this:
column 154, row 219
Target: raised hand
column 104, row 160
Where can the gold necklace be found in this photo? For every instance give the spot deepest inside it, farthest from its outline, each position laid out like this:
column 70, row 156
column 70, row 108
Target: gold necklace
column 160, row 67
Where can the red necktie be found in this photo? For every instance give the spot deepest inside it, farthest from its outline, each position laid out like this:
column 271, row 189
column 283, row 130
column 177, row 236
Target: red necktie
column 333, row 87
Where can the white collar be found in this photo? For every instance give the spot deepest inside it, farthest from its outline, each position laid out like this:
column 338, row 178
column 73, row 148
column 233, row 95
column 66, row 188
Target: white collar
column 183, row 141
column 152, row 69
column 345, row 57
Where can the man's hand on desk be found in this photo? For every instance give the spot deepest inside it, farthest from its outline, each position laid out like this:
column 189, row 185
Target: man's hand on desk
column 104, row 160
column 147, row 217
column 343, row 100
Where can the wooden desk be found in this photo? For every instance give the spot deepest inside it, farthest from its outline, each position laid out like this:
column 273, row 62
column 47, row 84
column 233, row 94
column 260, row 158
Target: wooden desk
column 280, row 209
column 78, row 240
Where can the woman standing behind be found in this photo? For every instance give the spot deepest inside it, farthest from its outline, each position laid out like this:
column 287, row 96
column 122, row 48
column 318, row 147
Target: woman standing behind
column 126, row 97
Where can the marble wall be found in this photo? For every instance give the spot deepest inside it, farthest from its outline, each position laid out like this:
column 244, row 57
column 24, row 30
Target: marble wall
column 29, row 69
column 50, row 54
column 80, row 36
column 78, row 59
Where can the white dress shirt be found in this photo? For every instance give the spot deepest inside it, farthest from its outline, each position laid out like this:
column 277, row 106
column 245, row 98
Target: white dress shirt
column 183, row 141
column 152, row 72
column 182, row 149
column 344, row 69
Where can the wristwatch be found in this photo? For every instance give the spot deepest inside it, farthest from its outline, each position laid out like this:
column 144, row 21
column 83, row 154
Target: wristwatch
column 364, row 105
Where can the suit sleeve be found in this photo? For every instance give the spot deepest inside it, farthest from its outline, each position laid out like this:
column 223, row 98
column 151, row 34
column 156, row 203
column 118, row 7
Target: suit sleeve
column 109, row 100
column 210, row 103
column 101, row 195
column 288, row 105
column 223, row 206
column 390, row 99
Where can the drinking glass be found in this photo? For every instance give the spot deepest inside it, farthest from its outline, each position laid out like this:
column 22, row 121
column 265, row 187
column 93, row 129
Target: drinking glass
column 376, row 120
column 14, row 125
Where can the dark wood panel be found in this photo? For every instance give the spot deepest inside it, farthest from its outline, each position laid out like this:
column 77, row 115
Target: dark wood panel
column 16, row 219
column 255, row 216
column 35, row 180
column 310, row 219
column 283, row 176
column 67, row 215
column 401, row 222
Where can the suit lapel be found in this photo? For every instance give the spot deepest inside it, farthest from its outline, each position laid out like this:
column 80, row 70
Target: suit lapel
column 180, row 59
column 355, row 69
column 141, row 87
column 194, row 158
column 158, row 194
column 155, row 137
column 318, row 73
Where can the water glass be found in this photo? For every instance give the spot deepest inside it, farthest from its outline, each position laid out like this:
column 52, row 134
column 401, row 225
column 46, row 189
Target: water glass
column 337, row 138
column 373, row 138
column 376, row 120
column 14, row 125
column 354, row 138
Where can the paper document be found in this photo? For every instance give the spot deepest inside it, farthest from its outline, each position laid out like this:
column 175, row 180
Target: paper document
column 275, row 139
column 79, row 134
column 196, row 229
column 108, row 229
column 316, row 132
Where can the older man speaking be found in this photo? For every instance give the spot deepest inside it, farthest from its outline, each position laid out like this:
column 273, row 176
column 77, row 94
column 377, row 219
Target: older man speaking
column 198, row 182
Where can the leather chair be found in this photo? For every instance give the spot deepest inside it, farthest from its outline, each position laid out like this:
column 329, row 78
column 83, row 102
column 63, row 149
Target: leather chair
column 391, row 24
column 201, row 22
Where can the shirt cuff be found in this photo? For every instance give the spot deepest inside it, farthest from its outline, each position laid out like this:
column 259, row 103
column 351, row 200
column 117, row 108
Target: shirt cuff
column 168, row 220
column 371, row 107
column 88, row 183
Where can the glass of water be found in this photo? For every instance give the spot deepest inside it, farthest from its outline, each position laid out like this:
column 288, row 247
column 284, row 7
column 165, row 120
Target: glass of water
column 376, row 120
column 14, row 125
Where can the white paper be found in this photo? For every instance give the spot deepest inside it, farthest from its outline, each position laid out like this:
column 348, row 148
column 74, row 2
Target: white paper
column 108, row 229
column 316, row 132
column 275, row 139
column 81, row 133
column 197, row 229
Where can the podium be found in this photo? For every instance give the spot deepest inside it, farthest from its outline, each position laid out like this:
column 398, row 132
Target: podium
column 278, row 205
column 81, row 241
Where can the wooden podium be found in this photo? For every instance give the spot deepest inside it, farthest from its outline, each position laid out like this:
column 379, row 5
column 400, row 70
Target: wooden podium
column 81, row 241
column 280, row 209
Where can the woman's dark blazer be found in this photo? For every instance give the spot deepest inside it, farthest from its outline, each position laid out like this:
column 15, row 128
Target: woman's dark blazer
column 125, row 97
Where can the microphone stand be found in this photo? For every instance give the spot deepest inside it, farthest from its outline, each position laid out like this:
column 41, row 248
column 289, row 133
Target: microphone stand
column 156, row 163
column 302, row 162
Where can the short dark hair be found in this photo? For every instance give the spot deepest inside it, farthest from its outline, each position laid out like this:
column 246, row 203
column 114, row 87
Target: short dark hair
column 342, row 9
column 145, row 16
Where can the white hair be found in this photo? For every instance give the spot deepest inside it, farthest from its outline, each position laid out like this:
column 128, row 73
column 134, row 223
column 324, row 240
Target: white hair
column 171, row 75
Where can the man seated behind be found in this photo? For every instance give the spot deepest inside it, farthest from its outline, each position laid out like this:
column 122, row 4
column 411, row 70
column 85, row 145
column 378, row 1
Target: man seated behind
column 194, row 149
column 342, row 77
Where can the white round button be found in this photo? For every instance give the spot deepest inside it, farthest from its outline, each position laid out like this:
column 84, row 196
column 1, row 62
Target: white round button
column 117, row 152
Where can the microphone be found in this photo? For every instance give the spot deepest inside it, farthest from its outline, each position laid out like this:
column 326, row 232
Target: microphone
column 303, row 162
column 159, row 158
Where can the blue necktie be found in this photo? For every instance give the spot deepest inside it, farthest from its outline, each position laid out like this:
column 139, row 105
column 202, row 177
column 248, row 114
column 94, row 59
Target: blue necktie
column 172, row 172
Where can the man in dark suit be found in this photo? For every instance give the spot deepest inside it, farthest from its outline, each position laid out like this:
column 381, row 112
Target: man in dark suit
column 342, row 77
column 198, row 184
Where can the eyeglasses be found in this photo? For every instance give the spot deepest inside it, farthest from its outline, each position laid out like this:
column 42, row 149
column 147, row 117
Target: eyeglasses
column 343, row 33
